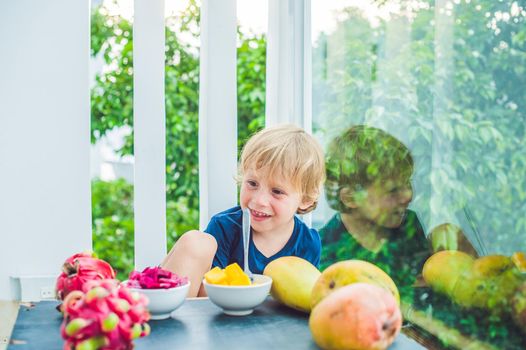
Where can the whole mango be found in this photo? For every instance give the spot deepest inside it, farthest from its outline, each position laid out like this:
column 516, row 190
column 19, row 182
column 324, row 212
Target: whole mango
column 489, row 284
column 359, row 316
column 443, row 270
column 347, row 272
column 292, row 281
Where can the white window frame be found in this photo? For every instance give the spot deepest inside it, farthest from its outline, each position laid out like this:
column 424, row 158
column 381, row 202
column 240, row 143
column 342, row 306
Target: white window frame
column 217, row 109
column 149, row 133
column 289, row 64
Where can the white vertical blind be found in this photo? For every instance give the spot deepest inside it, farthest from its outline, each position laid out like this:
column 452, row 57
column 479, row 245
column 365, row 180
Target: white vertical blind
column 217, row 109
column 288, row 95
column 149, row 133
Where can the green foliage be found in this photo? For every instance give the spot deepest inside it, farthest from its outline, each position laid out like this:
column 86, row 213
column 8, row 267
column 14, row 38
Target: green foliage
column 182, row 104
column 111, row 97
column 251, row 75
column 112, row 223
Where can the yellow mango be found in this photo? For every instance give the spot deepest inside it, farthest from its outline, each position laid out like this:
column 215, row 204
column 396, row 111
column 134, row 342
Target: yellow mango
column 243, row 280
column 347, row 272
column 216, row 276
column 519, row 259
column 236, row 276
column 292, row 281
column 233, row 271
column 231, row 275
column 492, row 265
column 444, row 269
column 489, row 284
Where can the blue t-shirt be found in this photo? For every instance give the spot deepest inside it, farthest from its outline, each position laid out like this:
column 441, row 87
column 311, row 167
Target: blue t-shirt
column 226, row 227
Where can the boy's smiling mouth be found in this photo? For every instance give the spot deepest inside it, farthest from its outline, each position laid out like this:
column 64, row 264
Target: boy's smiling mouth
column 258, row 216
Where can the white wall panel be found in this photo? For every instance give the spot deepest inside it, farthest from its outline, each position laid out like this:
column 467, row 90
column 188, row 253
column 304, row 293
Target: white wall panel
column 44, row 136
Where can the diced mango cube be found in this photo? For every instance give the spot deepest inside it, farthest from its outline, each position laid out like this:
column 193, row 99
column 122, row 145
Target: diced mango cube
column 216, row 276
column 231, row 275
column 236, row 276
column 242, row 280
column 233, row 271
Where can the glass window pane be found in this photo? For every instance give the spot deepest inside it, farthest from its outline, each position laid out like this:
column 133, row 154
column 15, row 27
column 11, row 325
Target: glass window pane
column 111, row 72
column 252, row 16
column 112, row 126
column 421, row 107
column 182, row 105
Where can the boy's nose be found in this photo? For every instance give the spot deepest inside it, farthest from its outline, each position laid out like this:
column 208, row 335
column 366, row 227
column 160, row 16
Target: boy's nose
column 261, row 198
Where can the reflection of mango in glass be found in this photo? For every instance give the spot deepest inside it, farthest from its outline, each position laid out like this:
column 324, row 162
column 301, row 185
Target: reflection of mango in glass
column 232, row 275
column 519, row 259
column 489, row 284
column 444, row 269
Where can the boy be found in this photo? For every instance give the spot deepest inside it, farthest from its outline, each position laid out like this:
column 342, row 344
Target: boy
column 369, row 183
column 280, row 173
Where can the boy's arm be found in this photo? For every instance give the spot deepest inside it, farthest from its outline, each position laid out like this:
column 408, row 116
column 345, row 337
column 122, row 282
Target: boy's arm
column 448, row 236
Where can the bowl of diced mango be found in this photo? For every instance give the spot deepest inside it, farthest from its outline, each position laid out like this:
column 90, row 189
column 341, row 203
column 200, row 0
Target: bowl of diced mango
column 233, row 291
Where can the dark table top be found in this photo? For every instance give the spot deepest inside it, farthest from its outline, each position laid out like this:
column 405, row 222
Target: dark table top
column 197, row 324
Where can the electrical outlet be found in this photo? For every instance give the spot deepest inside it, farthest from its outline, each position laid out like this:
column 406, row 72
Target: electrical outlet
column 47, row 293
column 29, row 288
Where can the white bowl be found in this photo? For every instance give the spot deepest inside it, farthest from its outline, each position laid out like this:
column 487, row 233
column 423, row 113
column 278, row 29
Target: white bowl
column 162, row 302
column 239, row 300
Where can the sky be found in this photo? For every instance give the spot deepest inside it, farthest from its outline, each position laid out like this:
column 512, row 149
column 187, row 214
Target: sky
column 253, row 14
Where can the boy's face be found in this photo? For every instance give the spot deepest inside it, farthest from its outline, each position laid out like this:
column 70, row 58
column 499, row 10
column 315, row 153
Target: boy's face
column 272, row 202
column 384, row 203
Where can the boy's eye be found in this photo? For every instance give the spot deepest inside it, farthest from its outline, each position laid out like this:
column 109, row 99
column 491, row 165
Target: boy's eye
column 277, row 191
column 251, row 183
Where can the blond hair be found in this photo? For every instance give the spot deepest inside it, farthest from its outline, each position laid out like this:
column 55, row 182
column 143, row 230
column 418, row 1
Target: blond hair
column 290, row 152
column 360, row 156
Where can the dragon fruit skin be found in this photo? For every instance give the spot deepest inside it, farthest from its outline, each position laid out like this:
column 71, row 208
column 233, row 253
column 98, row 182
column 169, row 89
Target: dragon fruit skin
column 80, row 268
column 104, row 316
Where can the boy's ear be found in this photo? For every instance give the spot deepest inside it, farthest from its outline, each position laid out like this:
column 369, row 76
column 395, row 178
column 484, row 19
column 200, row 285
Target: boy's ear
column 347, row 197
column 306, row 204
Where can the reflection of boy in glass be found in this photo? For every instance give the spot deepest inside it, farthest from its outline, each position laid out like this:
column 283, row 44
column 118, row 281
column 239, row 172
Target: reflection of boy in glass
column 368, row 182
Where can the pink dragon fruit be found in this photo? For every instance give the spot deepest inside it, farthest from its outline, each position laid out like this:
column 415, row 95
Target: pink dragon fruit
column 104, row 316
column 155, row 278
column 80, row 268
